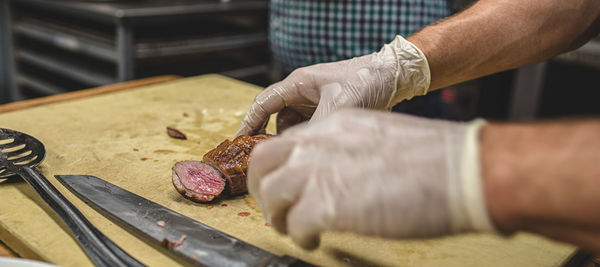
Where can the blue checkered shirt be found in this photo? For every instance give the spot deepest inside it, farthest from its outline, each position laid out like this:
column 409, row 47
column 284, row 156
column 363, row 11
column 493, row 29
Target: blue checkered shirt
column 307, row 32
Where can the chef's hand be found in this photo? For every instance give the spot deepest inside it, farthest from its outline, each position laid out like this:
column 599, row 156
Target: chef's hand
column 376, row 81
column 372, row 173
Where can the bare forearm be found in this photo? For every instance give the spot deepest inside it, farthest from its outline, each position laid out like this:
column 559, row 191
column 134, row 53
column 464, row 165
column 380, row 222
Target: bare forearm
column 544, row 178
column 496, row 35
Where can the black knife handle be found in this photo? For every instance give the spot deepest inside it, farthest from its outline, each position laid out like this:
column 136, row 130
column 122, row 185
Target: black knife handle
column 101, row 250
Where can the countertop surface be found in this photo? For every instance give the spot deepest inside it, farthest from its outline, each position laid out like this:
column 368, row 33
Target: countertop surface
column 121, row 137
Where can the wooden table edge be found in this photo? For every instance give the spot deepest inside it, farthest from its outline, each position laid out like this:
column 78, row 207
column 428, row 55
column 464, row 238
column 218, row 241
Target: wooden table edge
column 14, row 248
column 86, row 93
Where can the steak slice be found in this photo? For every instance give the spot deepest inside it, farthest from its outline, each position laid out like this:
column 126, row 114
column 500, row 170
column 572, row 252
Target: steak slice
column 223, row 169
column 197, row 181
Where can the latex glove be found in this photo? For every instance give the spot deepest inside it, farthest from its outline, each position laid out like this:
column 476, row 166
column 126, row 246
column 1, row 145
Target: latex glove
column 372, row 173
column 376, row 81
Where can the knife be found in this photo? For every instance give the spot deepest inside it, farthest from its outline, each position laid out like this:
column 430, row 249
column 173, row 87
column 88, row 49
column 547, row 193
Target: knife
column 195, row 242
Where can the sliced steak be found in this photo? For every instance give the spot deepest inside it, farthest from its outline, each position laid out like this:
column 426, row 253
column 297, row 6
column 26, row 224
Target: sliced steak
column 197, row 181
column 222, row 169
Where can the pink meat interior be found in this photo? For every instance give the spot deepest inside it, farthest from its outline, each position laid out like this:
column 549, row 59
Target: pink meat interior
column 200, row 178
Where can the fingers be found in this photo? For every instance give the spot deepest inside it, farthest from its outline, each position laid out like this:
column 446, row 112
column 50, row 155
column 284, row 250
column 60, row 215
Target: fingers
column 304, row 226
column 279, row 191
column 277, row 177
column 266, row 157
column 312, row 214
column 292, row 205
column 291, row 190
column 269, row 101
column 335, row 97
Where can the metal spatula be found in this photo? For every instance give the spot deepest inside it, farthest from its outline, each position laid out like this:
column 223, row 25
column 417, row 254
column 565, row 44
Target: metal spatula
column 19, row 154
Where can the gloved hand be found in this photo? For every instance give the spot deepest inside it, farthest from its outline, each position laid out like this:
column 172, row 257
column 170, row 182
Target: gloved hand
column 376, row 81
column 372, row 173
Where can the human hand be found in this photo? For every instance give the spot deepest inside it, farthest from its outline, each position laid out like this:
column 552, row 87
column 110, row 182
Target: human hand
column 376, row 81
column 372, row 173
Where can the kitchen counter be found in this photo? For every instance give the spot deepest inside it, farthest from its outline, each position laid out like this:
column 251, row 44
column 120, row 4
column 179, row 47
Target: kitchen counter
column 119, row 135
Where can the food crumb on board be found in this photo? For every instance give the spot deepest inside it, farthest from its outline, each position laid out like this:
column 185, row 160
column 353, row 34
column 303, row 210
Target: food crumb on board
column 144, row 159
column 244, row 214
column 224, row 205
column 267, row 224
column 209, row 207
column 160, row 223
column 170, row 244
column 185, row 114
column 135, row 149
column 174, row 133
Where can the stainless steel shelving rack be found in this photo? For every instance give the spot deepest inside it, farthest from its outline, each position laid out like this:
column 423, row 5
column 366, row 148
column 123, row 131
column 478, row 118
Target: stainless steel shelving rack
column 3, row 72
column 60, row 45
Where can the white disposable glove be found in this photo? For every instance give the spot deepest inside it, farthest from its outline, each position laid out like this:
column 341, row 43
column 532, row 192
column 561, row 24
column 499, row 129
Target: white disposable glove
column 376, row 81
column 372, row 173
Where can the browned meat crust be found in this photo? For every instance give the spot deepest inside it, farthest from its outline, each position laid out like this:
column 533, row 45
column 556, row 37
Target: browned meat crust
column 231, row 158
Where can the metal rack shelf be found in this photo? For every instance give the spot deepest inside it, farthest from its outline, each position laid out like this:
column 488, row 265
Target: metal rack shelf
column 62, row 66
column 110, row 11
column 99, row 46
column 58, row 46
column 38, row 85
column 200, row 45
column 68, row 39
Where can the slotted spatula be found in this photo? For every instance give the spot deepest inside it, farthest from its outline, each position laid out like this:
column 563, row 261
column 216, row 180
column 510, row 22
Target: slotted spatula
column 20, row 154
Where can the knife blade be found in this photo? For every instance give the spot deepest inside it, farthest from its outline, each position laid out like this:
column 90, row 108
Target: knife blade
column 185, row 237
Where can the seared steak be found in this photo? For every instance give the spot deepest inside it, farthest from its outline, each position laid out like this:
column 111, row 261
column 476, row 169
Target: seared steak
column 222, row 169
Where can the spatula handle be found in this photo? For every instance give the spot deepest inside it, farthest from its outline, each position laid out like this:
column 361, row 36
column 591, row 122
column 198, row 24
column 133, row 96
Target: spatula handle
column 101, row 250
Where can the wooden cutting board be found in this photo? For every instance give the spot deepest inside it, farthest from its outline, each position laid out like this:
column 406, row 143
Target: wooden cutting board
column 121, row 137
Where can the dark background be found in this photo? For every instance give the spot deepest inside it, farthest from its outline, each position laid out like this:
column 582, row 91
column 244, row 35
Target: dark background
column 570, row 87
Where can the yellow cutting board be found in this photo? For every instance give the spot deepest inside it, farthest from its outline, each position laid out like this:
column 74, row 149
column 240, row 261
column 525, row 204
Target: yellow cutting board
column 121, row 137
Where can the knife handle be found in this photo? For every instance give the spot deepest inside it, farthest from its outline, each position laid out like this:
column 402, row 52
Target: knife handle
column 100, row 249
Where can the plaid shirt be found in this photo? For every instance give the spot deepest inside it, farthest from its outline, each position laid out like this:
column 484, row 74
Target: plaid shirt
column 307, row 32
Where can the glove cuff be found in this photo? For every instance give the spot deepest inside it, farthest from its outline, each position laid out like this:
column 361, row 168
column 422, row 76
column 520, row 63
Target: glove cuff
column 413, row 76
column 470, row 214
